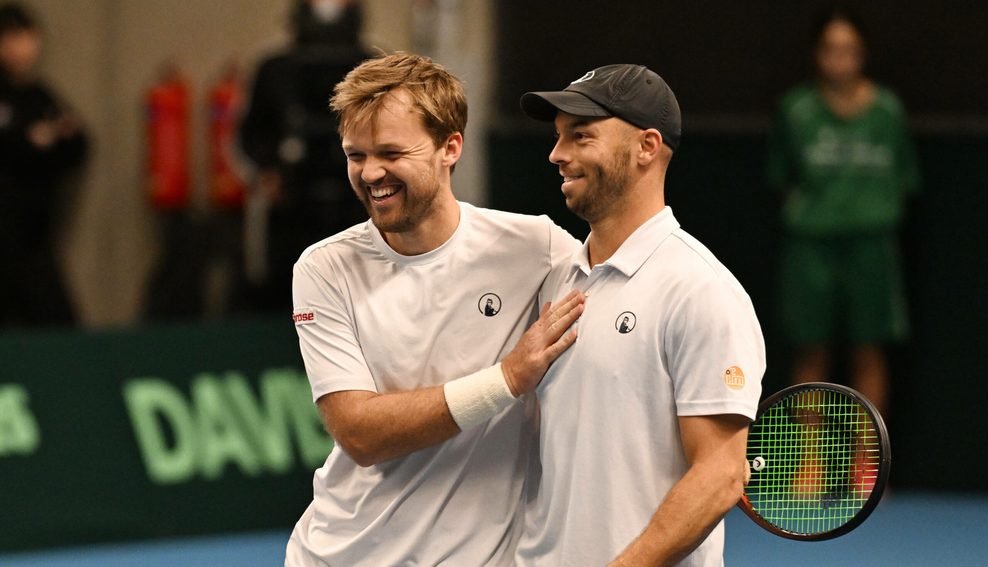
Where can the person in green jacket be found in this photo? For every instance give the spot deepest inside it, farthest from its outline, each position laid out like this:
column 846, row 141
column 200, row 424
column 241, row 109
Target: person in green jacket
column 841, row 153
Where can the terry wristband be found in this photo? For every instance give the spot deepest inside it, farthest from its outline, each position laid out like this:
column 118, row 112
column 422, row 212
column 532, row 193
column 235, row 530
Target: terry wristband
column 478, row 397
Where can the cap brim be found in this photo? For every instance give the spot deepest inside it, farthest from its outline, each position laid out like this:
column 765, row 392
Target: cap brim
column 545, row 105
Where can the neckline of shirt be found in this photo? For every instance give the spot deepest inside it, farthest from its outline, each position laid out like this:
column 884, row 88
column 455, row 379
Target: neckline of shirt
column 427, row 257
column 633, row 252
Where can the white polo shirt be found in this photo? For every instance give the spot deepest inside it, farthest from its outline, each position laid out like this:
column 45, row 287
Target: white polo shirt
column 371, row 319
column 667, row 332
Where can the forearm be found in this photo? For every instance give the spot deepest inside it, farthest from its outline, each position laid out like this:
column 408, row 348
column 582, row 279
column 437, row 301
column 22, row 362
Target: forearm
column 373, row 427
column 715, row 448
column 380, row 427
column 686, row 517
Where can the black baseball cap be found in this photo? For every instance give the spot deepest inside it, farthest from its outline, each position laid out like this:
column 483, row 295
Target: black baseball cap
column 633, row 93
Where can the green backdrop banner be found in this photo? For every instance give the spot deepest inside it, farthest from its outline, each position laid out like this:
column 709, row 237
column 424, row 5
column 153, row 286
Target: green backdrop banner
column 161, row 431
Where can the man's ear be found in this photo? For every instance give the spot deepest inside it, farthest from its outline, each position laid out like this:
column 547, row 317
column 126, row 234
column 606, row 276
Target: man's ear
column 452, row 149
column 649, row 146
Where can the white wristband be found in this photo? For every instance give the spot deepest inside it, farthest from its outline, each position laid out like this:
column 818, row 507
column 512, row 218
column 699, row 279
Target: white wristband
column 474, row 399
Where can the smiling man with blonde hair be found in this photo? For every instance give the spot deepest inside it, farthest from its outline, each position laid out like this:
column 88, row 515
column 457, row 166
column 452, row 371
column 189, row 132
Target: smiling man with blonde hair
column 413, row 331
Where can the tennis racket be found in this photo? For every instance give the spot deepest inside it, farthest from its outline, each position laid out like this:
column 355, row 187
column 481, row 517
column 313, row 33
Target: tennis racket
column 819, row 456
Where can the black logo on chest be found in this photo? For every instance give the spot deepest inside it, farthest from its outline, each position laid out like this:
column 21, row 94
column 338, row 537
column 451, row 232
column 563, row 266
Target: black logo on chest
column 489, row 304
column 625, row 322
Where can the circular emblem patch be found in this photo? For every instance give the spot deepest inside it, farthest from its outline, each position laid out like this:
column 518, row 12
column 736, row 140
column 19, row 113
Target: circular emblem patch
column 489, row 304
column 625, row 322
column 734, row 378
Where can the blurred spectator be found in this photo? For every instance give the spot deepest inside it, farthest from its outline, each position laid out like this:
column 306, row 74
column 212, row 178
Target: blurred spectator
column 40, row 142
column 301, row 193
column 841, row 151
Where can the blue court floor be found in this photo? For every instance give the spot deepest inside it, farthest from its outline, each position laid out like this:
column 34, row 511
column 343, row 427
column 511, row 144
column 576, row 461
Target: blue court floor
column 906, row 529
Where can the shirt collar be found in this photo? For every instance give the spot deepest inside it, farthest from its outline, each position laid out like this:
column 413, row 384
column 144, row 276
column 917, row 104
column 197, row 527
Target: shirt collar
column 637, row 248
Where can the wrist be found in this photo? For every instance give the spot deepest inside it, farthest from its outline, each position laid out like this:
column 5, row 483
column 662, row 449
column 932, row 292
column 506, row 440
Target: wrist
column 478, row 397
column 509, row 379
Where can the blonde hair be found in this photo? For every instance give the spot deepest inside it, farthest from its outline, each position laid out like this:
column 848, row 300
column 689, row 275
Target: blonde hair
column 436, row 94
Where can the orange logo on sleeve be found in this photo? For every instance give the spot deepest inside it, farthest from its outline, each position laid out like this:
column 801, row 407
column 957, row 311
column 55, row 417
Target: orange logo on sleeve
column 734, row 378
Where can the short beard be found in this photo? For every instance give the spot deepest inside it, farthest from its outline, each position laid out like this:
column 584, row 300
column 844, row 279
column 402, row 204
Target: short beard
column 411, row 214
column 608, row 182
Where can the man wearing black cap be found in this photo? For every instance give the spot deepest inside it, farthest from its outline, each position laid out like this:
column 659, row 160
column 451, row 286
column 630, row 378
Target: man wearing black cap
column 644, row 420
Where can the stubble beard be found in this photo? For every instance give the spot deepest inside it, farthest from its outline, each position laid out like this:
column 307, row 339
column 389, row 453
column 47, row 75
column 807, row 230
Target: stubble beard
column 415, row 208
column 606, row 184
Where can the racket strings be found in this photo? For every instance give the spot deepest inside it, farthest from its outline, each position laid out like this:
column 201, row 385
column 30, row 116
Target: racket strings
column 818, row 454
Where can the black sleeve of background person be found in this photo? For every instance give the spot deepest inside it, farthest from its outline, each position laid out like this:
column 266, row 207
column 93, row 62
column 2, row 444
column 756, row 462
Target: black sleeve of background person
column 261, row 128
column 69, row 152
column 23, row 107
column 21, row 158
column 290, row 97
column 313, row 74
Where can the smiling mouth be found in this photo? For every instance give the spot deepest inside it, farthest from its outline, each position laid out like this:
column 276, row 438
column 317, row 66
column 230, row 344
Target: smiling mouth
column 569, row 176
column 568, row 181
column 383, row 192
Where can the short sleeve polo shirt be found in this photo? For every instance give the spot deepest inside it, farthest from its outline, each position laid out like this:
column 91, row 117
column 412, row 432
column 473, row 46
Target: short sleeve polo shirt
column 667, row 331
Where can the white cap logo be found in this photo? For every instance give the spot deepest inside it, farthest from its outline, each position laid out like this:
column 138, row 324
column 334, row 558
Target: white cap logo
column 584, row 78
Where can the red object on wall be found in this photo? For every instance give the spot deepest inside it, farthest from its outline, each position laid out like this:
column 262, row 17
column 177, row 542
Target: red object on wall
column 226, row 186
column 168, row 143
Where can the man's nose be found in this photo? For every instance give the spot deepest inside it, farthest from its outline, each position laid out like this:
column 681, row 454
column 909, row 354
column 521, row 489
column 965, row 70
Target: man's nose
column 373, row 171
column 558, row 155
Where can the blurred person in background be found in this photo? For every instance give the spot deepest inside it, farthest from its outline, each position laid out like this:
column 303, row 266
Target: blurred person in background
column 41, row 141
column 300, row 194
column 841, row 153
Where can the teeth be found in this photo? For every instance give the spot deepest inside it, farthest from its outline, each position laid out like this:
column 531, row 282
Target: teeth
column 568, row 179
column 382, row 192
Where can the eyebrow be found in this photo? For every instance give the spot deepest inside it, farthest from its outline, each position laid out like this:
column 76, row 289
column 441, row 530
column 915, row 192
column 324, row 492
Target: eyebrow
column 376, row 149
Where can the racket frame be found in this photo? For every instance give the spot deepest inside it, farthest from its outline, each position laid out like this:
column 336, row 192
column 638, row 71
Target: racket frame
column 884, row 462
